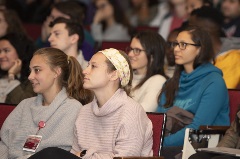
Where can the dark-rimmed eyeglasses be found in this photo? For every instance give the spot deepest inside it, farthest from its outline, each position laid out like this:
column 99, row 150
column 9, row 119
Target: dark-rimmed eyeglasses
column 136, row 51
column 182, row 45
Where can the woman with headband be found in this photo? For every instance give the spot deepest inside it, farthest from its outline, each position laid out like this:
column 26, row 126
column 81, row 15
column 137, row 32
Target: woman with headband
column 113, row 124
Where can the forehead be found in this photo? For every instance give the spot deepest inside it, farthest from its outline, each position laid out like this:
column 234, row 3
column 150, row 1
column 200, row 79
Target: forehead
column 184, row 36
column 4, row 43
column 98, row 58
column 59, row 26
column 38, row 60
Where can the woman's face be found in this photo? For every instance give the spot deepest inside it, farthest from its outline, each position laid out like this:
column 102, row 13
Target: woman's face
column 39, row 72
column 8, row 55
column 185, row 56
column 105, row 8
column 138, row 57
column 96, row 75
column 3, row 25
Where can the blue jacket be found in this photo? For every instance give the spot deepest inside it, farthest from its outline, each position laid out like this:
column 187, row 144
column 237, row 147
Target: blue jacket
column 202, row 92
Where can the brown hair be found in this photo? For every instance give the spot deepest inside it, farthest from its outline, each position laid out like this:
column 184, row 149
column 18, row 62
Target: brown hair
column 71, row 76
column 111, row 68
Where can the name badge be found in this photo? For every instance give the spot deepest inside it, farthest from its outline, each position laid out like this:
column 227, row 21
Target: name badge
column 32, row 143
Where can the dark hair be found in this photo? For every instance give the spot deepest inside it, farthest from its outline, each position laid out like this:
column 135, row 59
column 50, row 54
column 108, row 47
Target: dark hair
column 111, row 68
column 201, row 37
column 24, row 48
column 14, row 23
column 119, row 16
column 72, row 27
column 155, row 48
column 71, row 76
column 73, row 9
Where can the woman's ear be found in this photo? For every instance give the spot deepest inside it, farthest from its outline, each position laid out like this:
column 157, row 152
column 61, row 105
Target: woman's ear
column 57, row 71
column 114, row 75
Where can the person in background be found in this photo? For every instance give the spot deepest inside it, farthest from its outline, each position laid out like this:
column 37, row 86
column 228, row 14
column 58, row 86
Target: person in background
column 231, row 13
column 10, row 23
column 192, row 91
column 15, row 54
column 195, row 4
column 49, row 116
column 227, row 53
column 142, row 12
column 69, row 10
column 146, row 54
column 110, row 22
column 68, row 36
column 129, row 133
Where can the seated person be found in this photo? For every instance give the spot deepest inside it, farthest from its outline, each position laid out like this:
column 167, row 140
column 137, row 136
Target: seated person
column 146, row 54
column 113, row 124
column 15, row 54
column 67, row 36
column 196, row 91
column 49, row 116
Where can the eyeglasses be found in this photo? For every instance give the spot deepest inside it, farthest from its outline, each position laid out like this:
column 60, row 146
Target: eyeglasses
column 136, row 51
column 183, row 45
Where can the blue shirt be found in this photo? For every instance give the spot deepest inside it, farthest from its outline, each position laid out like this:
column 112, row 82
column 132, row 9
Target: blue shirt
column 203, row 93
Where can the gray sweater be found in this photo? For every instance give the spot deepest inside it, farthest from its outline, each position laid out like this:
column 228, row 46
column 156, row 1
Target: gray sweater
column 59, row 117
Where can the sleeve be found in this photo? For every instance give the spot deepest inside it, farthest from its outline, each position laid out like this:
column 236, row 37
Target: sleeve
column 96, row 31
column 204, row 116
column 149, row 100
column 75, row 148
column 130, row 139
column 12, row 121
column 231, row 137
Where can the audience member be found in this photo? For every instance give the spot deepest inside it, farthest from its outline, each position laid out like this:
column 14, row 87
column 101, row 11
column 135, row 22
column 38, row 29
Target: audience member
column 142, row 12
column 226, row 49
column 174, row 19
column 50, row 116
column 15, row 54
column 69, row 10
column 195, row 4
column 230, row 139
column 10, row 23
column 110, row 22
column 146, row 54
column 68, row 36
column 231, row 12
column 129, row 133
column 189, row 97
column 170, row 64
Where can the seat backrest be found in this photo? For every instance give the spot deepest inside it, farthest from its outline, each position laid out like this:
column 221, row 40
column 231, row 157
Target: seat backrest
column 5, row 110
column 120, row 45
column 158, row 122
column 234, row 102
column 144, row 28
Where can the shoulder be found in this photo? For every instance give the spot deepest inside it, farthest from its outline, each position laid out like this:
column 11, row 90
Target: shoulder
column 73, row 103
column 157, row 78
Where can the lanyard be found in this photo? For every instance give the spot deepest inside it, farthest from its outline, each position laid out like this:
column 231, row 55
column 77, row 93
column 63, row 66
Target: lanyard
column 41, row 125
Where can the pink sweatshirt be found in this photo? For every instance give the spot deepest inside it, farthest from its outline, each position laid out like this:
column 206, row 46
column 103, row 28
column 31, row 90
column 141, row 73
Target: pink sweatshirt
column 119, row 128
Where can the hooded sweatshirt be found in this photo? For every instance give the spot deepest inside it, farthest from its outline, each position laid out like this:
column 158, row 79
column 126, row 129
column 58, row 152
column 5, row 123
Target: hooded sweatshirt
column 203, row 93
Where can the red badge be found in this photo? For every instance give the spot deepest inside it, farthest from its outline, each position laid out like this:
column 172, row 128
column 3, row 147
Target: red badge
column 41, row 124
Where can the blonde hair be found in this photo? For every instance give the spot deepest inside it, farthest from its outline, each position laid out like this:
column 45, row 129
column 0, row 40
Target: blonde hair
column 71, row 76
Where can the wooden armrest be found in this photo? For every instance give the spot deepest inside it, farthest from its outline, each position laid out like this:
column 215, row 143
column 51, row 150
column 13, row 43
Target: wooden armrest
column 132, row 157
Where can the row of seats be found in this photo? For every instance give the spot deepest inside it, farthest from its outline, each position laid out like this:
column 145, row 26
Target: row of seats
column 158, row 120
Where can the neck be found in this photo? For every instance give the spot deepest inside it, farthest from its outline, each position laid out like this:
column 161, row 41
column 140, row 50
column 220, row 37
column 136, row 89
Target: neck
column 48, row 97
column 102, row 98
column 141, row 71
column 188, row 68
column 72, row 51
column 110, row 21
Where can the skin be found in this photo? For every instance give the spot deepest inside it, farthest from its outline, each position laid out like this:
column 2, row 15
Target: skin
column 186, row 57
column 104, row 13
column 230, row 8
column 39, row 72
column 3, row 25
column 59, row 38
column 138, row 62
column 179, row 8
column 9, row 59
column 98, row 79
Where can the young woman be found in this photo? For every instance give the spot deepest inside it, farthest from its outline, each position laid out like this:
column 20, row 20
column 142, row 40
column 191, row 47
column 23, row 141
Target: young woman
column 113, row 124
column 15, row 54
column 146, row 54
column 110, row 22
column 197, row 86
column 47, row 119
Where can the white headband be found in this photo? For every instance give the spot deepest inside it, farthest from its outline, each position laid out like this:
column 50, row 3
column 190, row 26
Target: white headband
column 120, row 63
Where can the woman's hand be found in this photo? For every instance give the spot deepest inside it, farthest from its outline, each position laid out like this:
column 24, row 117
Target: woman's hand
column 98, row 17
column 15, row 69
